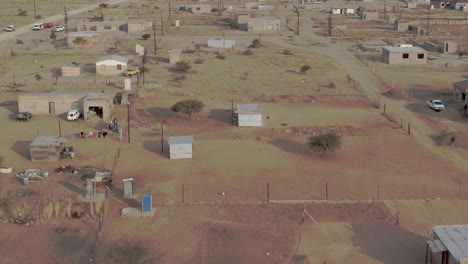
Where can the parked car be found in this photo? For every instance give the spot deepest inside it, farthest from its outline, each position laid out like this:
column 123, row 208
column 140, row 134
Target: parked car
column 38, row 26
column 10, row 28
column 436, row 105
column 131, row 72
column 59, row 28
column 73, row 115
column 23, row 116
column 48, row 25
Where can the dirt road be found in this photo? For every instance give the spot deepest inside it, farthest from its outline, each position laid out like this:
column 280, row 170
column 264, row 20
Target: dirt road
column 27, row 28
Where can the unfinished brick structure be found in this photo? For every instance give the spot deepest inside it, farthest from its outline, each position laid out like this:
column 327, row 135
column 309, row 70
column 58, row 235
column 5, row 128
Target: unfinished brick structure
column 101, row 26
column 404, row 55
column 92, row 39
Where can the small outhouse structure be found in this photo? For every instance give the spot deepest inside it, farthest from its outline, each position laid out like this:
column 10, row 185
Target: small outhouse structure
column 111, row 65
column 248, row 115
column 71, row 69
column 174, row 55
column 460, row 92
column 47, row 148
column 448, row 246
column 264, row 24
column 180, row 147
column 224, row 43
column 200, row 9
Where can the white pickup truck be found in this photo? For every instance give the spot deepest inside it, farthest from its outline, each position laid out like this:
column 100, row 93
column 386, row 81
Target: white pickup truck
column 73, row 115
column 436, row 105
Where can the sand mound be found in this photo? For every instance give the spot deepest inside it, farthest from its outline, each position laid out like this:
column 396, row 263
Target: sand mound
column 457, row 139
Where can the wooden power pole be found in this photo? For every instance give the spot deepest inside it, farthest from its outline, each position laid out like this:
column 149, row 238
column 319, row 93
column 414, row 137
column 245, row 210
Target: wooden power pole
column 154, row 38
column 162, row 25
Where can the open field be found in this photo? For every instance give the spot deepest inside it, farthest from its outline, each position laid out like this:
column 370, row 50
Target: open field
column 240, row 199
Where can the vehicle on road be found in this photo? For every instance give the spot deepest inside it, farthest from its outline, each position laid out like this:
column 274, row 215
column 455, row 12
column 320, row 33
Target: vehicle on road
column 436, row 105
column 48, row 25
column 10, row 28
column 131, row 72
column 38, row 26
column 73, row 115
column 23, row 116
column 59, row 28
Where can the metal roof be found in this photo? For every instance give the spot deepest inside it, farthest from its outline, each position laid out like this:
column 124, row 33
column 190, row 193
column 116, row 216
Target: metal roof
column 454, row 238
column 85, row 96
column 113, row 57
column 212, row 39
column 180, row 140
column 263, row 19
column 48, row 140
column 83, row 34
column 247, row 109
column 404, row 49
column 462, row 84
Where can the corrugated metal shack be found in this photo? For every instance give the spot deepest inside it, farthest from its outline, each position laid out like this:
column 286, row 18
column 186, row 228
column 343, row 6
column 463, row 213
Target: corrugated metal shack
column 180, row 147
column 449, row 245
column 47, row 148
column 248, row 115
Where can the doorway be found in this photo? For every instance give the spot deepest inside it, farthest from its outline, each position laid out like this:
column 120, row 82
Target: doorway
column 95, row 110
column 51, row 108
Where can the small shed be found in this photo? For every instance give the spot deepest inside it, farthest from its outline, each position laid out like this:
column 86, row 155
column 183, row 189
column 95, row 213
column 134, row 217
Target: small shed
column 448, row 245
column 180, row 147
column 71, row 69
column 264, row 24
column 404, row 55
column 200, row 9
column 370, row 15
column 47, row 148
column 243, row 18
column 111, row 65
column 174, row 55
column 402, row 25
column 224, row 43
column 138, row 25
column 248, row 115
column 128, row 188
column 460, row 92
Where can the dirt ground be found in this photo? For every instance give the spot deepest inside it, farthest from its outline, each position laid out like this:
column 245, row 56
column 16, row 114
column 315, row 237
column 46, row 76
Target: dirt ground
column 234, row 171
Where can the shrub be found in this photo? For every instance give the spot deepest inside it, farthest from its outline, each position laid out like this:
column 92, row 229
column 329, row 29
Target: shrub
column 214, row 10
column 287, row 52
column 325, row 142
column 247, row 52
column 182, row 66
column 19, row 41
column 188, row 51
column 38, row 77
column 38, row 17
column 146, row 36
column 331, row 85
column 304, row 69
column 221, row 56
column 255, row 44
column 179, row 78
column 103, row 5
column 233, row 24
column 188, row 107
column 198, row 61
column 22, row 13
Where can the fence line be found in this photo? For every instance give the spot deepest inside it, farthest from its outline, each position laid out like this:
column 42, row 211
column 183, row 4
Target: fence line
column 67, row 83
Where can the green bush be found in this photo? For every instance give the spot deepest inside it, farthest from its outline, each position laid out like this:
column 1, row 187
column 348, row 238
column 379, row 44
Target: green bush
column 325, row 143
column 146, row 36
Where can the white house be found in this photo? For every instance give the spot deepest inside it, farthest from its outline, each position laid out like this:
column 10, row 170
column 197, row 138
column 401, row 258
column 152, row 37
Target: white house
column 111, row 65
column 180, row 147
column 221, row 43
column 248, row 115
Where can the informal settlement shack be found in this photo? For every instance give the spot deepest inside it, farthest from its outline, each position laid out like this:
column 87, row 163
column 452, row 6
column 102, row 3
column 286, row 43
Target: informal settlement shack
column 248, row 115
column 47, row 148
column 448, row 246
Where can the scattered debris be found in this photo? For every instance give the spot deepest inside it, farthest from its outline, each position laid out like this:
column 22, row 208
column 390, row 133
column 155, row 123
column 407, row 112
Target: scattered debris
column 32, row 175
column 317, row 130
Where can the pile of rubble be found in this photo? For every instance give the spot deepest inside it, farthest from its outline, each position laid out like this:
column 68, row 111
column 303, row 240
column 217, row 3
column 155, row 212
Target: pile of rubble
column 32, row 175
column 318, row 130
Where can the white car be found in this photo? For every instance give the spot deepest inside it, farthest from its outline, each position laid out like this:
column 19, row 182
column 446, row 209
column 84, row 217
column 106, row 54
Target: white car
column 38, row 26
column 59, row 28
column 73, row 115
column 10, row 28
column 436, row 105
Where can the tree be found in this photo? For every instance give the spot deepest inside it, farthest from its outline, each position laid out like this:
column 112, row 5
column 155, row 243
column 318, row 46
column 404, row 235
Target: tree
column 52, row 35
column 255, row 44
column 131, row 253
column 146, row 36
column 182, row 66
column 304, row 68
column 325, row 143
column 38, row 77
column 188, row 107
column 36, row 43
column 80, row 41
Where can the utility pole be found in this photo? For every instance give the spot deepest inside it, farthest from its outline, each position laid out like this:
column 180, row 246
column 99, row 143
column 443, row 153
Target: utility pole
column 128, row 120
column 162, row 136
column 143, row 60
column 428, row 13
column 298, row 16
column 66, row 19
column 154, row 38
column 60, row 128
column 34, row 3
column 330, row 20
column 170, row 16
column 385, row 9
column 162, row 25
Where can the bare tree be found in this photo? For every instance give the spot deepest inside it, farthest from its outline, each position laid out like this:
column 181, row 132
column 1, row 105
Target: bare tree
column 330, row 25
column 296, row 9
column 36, row 43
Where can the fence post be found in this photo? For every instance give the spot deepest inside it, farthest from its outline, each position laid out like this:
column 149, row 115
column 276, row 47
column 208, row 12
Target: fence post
column 326, row 191
column 268, row 192
column 401, row 122
column 384, row 108
column 409, row 128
